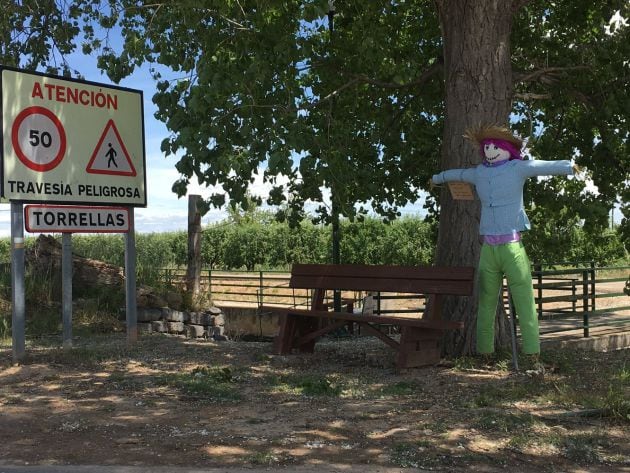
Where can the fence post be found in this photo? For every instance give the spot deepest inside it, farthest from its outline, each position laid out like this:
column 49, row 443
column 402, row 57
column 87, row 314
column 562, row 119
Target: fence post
column 573, row 296
column 210, row 283
column 538, row 269
column 593, row 293
column 260, row 285
column 585, row 299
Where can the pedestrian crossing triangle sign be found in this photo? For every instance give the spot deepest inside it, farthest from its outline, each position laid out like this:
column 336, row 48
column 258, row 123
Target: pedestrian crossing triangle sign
column 110, row 155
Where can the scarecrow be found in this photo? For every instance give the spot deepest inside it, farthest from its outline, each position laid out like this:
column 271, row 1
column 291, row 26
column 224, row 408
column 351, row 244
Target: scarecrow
column 499, row 182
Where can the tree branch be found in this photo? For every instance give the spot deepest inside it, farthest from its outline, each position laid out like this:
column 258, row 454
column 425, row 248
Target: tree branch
column 530, row 96
column 546, row 75
column 421, row 80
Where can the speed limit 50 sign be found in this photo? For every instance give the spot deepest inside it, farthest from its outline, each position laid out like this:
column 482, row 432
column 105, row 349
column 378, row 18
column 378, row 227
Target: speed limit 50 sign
column 71, row 141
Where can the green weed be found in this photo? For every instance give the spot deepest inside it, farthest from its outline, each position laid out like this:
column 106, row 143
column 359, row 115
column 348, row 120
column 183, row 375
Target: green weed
column 405, row 455
column 401, row 388
column 500, row 395
column 504, row 422
column 616, row 403
column 263, row 458
column 212, row 383
column 307, row 385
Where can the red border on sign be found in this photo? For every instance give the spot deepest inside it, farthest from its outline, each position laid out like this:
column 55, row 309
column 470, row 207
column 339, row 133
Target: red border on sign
column 16, row 144
column 77, row 229
column 113, row 172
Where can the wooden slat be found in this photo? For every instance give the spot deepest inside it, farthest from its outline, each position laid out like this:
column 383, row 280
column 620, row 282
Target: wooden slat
column 385, row 271
column 400, row 279
column 379, row 319
column 377, row 333
column 412, row 286
column 318, row 333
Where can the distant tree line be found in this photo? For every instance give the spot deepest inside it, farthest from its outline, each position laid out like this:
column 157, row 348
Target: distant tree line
column 257, row 242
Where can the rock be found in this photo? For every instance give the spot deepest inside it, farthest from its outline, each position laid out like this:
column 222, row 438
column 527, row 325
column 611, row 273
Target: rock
column 218, row 320
column 172, row 315
column 195, row 331
column 145, row 327
column 148, row 315
column 158, row 326
column 175, row 327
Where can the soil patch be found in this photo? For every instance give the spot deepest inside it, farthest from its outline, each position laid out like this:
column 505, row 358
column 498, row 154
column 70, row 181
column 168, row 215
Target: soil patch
column 172, row 401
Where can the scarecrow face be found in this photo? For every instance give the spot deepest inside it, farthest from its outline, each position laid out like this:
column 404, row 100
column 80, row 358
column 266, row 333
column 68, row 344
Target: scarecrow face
column 495, row 154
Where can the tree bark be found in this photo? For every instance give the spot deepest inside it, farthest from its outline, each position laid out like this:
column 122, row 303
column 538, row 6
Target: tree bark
column 193, row 270
column 478, row 89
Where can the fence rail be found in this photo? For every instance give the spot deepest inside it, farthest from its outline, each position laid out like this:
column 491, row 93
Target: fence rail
column 573, row 294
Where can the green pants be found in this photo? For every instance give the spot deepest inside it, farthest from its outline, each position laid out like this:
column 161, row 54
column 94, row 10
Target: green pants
column 510, row 260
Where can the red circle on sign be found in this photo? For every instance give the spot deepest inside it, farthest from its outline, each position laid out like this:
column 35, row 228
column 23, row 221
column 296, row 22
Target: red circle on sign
column 28, row 162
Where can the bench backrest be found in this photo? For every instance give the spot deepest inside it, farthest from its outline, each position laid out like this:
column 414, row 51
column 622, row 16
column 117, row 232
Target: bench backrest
column 403, row 279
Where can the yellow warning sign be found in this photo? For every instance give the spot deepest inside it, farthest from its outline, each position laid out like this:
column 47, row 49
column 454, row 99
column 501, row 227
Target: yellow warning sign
column 68, row 141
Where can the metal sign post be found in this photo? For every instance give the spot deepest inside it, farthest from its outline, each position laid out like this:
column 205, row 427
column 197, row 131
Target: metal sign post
column 130, row 281
column 66, row 288
column 18, row 320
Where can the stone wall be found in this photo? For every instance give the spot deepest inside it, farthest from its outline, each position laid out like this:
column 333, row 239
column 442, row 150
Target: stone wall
column 207, row 324
column 240, row 321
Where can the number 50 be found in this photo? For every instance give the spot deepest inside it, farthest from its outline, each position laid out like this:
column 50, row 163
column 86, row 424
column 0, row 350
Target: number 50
column 35, row 138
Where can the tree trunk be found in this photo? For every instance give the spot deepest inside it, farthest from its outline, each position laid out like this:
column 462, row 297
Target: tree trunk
column 478, row 82
column 193, row 270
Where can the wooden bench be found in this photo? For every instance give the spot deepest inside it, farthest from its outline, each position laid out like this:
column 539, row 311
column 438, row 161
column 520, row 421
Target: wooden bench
column 420, row 338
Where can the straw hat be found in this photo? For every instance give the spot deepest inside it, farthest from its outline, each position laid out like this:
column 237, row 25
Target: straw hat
column 478, row 133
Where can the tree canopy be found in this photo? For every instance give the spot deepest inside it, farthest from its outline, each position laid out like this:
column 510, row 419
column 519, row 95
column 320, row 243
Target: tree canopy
column 364, row 101
column 344, row 97
column 38, row 35
column 351, row 98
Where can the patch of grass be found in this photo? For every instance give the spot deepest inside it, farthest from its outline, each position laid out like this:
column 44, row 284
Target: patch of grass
column 5, row 326
column 405, row 455
column 422, row 455
column 87, row 321
column 213, row 383
column 616, row 403
column 583, row 449
column 401, row 388
column 267, row 458
column 307, row 385
column 439, row 426
column 501, row 360
column 493, row 395
column 464, row 363
column 504, row 422
column 562, row 361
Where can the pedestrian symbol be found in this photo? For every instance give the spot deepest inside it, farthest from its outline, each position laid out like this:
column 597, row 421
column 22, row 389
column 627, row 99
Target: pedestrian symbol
column 110, row 155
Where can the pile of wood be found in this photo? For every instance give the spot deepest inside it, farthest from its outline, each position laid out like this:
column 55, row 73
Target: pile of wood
column 159, row 312
column 44, row 257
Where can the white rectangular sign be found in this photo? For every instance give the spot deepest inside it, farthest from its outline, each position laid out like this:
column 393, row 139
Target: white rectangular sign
column 75, row 219
column 71, row 141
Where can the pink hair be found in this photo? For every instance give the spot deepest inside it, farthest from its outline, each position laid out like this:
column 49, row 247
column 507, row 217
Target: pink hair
column 515, row 153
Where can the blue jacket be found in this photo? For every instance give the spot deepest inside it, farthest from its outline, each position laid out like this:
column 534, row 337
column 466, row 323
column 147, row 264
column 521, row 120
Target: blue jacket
column 500, row 190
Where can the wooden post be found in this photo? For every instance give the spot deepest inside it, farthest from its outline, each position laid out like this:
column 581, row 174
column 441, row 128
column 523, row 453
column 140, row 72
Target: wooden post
column 193, row 271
